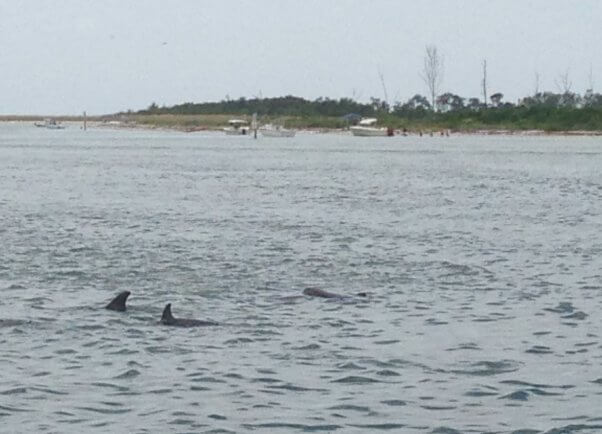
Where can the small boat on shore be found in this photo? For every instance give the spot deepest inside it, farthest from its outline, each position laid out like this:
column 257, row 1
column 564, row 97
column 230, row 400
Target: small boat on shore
column 270, row 130
column 366, row 128
column 238, row 127
column 50, row 124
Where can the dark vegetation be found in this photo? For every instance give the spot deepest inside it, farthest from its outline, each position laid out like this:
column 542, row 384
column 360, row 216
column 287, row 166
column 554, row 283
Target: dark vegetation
column 544, row 111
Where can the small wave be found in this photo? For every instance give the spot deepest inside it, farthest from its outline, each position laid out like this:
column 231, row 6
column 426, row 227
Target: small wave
column 308, row 347
column 477, row 393
column 160, row 391
column 73, row 421
column 462, row 269
column 485, row 319
column 131, row 373
column 123, row 352
column 519, row 395
column 536, row 391
column 351, row 366
column 445, row 430
column 158, row 350
column 465, row 346
column 585, row 344
column 394, row 402
column 380, row 426
column 49, row 391
column 65, row 351
column 387, row 373
column 265, row 380
column 182, row 413
column 110, row 386
column 304, row 428
column 295, row 388
column 563, row 307
column 539, row 349
column 199, row 388
column 92, row 327
column 14, row 409
column 579, row 315
column 15, row 391
column 387, row 342
column 350, row 407
column 78, row 249
column 236, row 341
column 234, row 375
column 181, row 421
column 523, row 395
column 354, row 379
column 567, row 429
column 488, row 368
column 438, row 407
column 70, row 273
column 11, row 322
column 591, row 287
column 526, row 431
column 207, row 380
column 536, row 385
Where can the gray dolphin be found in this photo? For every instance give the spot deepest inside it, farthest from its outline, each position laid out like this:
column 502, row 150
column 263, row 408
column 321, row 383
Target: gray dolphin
column 168, row 319
column 118, row 303
column 316, row 292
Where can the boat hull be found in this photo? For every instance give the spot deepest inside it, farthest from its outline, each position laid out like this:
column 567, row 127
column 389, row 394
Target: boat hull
column 236, row 131
column 371, row 132
column 50, row 125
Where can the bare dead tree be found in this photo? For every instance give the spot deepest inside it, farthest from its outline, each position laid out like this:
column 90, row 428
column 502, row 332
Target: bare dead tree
column 432, row 72
column 590, row 78
column 564, row 83
column 484, row 82
column 536, row 83
column 355, row 94
column 382, row 81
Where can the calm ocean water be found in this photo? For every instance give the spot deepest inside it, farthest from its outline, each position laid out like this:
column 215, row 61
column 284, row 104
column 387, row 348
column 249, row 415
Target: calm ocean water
column 481, row 257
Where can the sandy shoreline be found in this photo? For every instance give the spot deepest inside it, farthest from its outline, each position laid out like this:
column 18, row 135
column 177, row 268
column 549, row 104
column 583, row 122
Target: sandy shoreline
column 72, row 121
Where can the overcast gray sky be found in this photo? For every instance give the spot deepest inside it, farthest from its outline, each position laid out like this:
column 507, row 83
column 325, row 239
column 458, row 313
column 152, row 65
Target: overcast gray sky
column 66, row 56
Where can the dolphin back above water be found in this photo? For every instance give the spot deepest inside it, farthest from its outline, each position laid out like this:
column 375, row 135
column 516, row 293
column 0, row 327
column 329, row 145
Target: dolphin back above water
column 316, row 292
column 168, row 319
column 118, row 303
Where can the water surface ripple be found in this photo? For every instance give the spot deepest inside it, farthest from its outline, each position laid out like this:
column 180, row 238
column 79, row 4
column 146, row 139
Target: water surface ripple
column 480, row 257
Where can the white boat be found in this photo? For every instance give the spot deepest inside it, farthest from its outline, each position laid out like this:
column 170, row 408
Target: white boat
column 269, row 130
column 51, row 124
column 238, row 127
column 366, row 128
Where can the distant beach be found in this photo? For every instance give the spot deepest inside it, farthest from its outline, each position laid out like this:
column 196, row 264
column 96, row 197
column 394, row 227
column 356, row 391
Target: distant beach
column 200, row 123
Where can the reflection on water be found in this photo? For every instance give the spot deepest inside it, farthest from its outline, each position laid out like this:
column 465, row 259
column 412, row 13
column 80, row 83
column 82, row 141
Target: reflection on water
column 480, row 257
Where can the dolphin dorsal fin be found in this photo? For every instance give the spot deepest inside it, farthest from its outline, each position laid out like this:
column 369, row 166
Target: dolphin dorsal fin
column 118, row 303
column 167, row 316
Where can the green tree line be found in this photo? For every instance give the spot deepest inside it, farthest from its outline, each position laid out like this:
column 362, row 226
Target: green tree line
column 544, row 110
